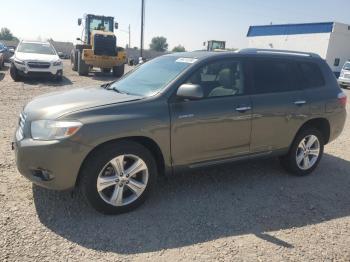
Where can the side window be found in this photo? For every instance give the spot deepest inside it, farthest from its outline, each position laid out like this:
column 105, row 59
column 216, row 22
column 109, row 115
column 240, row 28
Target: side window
column 224, row 78
column 336, row 62
column 312, row 74
column 271, row 76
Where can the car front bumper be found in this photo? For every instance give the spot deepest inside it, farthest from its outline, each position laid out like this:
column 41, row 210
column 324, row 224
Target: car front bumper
column 344, row 81
column 50, row 164
column 26, row 70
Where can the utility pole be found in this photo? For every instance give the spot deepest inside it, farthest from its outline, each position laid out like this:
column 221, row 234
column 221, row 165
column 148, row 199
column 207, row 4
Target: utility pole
column 129, row 38
column 142, row 21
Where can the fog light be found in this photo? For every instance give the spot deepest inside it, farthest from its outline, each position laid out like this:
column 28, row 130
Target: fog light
column 43, row 174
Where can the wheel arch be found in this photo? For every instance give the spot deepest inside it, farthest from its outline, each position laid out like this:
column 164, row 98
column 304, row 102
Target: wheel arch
column 321, row 124
column 147, row 142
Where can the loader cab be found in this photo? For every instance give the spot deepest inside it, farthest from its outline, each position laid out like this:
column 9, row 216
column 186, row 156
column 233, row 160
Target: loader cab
column 101, row 23
column 214, row 45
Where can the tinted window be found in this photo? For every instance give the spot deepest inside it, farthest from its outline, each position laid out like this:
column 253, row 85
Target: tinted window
column 312, row 74
column 271, row 76
column 224, row 78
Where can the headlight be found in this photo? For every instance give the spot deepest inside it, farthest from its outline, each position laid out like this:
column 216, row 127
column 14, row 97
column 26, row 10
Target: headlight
column 342, row 74
column 57, row 63
column 52, row 130
column 17, row 61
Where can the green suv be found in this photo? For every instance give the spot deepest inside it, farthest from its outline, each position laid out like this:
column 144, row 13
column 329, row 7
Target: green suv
column 180, row 111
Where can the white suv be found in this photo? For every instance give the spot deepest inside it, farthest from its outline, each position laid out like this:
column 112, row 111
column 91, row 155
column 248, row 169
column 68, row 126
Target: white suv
column 344, row 78
column 34, row 58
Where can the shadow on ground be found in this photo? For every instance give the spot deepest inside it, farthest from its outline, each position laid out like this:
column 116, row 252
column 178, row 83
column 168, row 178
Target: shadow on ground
column 47, row 81
column 245, row 198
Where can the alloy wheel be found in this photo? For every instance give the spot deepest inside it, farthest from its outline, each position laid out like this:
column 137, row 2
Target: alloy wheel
column 308, row 152
column 122, row 180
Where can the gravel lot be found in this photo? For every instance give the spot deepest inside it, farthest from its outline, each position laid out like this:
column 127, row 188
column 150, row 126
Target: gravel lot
column 243, row 212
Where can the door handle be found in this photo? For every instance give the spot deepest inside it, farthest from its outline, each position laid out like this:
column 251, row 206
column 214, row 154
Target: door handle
column 299, row 102
column 243, row 109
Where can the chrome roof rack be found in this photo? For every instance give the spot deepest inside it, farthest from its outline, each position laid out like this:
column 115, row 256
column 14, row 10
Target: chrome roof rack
column 276, row 52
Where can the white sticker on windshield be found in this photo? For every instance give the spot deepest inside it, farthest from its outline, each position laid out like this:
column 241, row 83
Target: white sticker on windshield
column 186, row 60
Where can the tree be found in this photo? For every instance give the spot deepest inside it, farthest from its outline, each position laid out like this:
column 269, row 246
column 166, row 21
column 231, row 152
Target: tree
column 5, row 34
column 179, row 48
column 159, row 44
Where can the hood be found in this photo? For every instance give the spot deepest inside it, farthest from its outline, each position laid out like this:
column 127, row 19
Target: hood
column 54, row 105
column 36, row 57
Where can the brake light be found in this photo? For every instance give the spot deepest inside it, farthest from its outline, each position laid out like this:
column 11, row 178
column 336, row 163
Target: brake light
column 342, row 98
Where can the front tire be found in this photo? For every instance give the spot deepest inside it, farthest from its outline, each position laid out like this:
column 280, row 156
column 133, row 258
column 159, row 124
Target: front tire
column 59, row 76
column 83, row 68
column 118, row 177
column 14, row 73
column 118, row 71
column 305, row 152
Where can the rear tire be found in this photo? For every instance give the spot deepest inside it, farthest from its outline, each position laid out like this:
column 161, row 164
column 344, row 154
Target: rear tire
column 102, row 170
column 118, row 71
column 299, row 156
column 83, row 68
column 74, row 60
column 14, row 73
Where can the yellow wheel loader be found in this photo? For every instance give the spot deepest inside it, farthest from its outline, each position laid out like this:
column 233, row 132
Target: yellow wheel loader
column 99, row 47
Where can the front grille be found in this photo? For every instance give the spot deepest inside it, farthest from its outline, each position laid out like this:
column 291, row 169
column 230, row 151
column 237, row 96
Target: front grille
column 38, row 64
column 105, row 45
column 21, row 122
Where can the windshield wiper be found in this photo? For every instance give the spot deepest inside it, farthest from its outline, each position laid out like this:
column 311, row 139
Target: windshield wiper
column 107, row 85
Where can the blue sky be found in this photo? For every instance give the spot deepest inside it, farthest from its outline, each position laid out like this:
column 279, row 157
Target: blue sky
column 186, row 22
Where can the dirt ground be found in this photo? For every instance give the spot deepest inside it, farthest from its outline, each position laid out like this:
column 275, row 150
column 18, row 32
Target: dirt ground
column 246, row 211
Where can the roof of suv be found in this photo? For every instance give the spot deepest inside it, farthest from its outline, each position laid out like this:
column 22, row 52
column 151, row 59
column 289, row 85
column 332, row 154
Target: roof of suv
column 247, row 51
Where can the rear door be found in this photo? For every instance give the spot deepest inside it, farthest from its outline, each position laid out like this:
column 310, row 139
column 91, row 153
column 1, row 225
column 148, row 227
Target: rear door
column 279, row 103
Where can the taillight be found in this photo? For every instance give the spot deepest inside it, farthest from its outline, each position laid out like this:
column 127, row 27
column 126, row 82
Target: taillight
column 342, row 98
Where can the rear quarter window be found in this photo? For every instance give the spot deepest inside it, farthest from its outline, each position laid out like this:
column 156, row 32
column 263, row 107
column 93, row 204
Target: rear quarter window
column 312, row 75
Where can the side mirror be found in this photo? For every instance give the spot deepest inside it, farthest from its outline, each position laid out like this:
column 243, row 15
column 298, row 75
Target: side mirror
column 79, row 21
column 60, row 54
column 190, row 91
column 116, row 25
column 11, row 50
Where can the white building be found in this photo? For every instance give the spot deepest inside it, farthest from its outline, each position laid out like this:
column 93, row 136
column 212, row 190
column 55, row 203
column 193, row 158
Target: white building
column 330, row 40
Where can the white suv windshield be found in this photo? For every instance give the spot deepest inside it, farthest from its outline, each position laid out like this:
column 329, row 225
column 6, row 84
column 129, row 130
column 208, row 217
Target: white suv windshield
column 346, row 66
column 151, row 77
column 36, row 48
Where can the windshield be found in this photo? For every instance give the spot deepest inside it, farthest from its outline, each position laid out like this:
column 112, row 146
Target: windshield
column 99, row 24
column 36, row 48
column 346, row 66
column 150, row 78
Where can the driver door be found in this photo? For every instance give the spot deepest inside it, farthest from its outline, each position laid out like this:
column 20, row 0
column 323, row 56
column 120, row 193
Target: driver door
column 217, row 126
